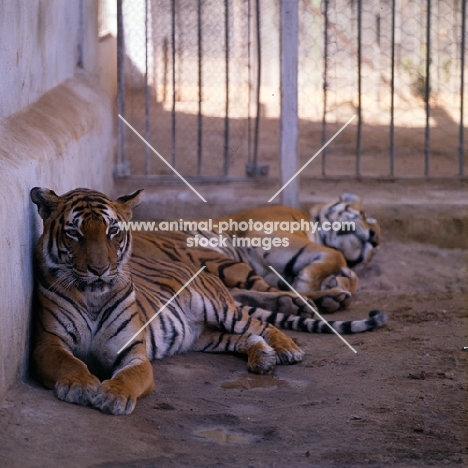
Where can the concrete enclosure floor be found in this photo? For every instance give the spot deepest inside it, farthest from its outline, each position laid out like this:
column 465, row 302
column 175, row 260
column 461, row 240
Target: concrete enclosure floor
column 400, row 401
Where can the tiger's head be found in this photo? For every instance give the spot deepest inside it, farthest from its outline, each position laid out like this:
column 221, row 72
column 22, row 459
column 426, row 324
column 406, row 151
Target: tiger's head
column 358, row 244
column 82, row 244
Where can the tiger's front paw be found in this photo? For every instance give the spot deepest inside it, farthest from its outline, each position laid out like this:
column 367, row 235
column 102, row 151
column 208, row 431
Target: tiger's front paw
column 113, row 398
column 79, row 390
column 261, row 357
column 288, row 352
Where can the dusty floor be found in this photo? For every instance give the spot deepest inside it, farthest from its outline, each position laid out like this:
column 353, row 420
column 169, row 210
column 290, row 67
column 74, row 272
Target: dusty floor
column 401, row 401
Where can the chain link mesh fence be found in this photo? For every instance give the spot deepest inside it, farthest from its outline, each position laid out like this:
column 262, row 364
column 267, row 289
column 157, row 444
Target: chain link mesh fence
column 202, row 85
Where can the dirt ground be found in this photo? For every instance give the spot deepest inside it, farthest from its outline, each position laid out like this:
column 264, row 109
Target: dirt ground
column 401, row 401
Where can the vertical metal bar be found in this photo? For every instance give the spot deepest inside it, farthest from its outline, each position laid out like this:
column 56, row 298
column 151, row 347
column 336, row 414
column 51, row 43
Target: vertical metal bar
column 122, row 164
column 289, row 125
column 359, row 107
column 226, row 118
column 259, row 81
column 200, row 90
column 427, row 90
column 325, row 83
column 173, row 114
column 249, row 72
column 81, row 38
column 461, row 145
column 392, row 96
column 165, row 68
column 147, row 97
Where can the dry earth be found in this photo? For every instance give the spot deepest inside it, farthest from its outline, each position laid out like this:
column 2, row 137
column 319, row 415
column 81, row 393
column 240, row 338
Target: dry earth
column 401, row 401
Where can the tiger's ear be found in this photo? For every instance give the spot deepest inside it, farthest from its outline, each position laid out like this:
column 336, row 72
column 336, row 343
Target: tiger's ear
column 129, row 202
column 46, row 201
column 352, row 199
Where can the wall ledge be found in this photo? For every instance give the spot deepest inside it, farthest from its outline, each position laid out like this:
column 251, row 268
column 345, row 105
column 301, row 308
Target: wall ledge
column 62, row 141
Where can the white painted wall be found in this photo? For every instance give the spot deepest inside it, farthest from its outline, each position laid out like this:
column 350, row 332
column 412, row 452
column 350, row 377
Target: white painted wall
column 56, row 130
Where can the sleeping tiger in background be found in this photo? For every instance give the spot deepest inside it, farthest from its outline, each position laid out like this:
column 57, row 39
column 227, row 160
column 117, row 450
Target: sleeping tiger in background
column 95, row 293
column 316, row 264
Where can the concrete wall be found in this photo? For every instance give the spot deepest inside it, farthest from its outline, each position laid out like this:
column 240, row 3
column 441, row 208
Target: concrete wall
column 56, row 131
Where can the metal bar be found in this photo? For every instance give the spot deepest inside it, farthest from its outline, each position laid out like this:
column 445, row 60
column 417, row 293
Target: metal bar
column 325, row 84
column 461, row 146
column 259, row 82
column 173, row 179
column 147, row 97
column 289, row 119
column 200, row 90
column 81, row 36
column 173, row 112
column 226, row 118
column 169, row 179
column 249, row 74
column 392, row 96
column 122, row 168
column 359, row 106
column 427, row 135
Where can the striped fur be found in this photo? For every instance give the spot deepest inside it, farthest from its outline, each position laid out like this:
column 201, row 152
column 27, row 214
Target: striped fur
column 316, row 264
column 96, row 291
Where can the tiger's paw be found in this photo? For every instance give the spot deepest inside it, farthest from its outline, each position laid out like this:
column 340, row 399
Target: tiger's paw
column 290, row 354
column 334, row 293
column 333, row 300
column 347, row 279
column 80, row 391
column 112, row 398
column 287, row 352
column 261, row 357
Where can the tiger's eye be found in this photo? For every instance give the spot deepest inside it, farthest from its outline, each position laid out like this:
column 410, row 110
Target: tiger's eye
column 73, row 233
column 114, row 230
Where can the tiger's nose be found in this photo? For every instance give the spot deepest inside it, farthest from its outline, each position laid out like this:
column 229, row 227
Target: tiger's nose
column 98, row 270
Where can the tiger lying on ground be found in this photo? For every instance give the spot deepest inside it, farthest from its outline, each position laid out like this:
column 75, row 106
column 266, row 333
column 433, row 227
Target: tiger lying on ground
column 314, row 263
column 95, row 294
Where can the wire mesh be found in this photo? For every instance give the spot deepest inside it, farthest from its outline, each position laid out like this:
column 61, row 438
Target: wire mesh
column 398, row 66
column 202, row 85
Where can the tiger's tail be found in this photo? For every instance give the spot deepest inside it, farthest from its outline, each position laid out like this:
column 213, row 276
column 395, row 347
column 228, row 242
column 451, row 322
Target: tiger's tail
column 293, row 322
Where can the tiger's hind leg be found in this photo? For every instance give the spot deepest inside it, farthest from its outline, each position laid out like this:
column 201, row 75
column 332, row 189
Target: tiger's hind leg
column 332, row 297
column 285, row 302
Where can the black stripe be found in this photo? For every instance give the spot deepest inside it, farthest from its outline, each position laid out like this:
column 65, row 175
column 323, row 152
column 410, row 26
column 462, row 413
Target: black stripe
column 228, row 344
column 346, row 327
column 214, row 345
column 105, row 315
column 300, row 324
column 315, row 326
column 73, row 336
column 125, row 353
column 122, row 326
column 149, row 329
column 289, row 268
column 54, row 334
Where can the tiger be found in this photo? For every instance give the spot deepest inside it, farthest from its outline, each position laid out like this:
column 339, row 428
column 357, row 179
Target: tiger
column 108, row 305
column 317, row 263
